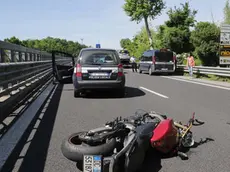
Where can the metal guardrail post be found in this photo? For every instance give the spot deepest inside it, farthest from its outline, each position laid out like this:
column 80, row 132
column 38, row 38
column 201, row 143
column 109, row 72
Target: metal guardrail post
column 30, row 57
column 26, row 56
column 2, row 55
column 12, row 56
column 20, row 56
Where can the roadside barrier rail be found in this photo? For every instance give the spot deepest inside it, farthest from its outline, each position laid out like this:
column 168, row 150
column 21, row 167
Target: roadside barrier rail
column 10, row 53
column 218, row 71
column 22, row 70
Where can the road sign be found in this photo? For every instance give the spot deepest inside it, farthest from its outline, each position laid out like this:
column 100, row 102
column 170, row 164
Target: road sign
column 225, row 44
column 225, row 38
column 98, row 45
column 225, row 54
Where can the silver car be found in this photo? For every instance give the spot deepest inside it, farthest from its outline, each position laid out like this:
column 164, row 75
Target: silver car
column 98, row 68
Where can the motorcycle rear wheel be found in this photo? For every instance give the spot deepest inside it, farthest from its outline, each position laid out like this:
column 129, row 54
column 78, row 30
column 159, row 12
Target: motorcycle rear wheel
column 74, row 149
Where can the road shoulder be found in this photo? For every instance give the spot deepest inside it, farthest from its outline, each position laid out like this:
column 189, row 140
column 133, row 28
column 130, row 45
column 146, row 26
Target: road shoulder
column 198, row 81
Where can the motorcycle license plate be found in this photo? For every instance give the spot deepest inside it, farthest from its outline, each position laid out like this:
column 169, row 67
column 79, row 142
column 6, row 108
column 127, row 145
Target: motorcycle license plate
column 92, row 163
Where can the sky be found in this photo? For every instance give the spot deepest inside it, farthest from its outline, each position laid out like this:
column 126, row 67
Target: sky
column 94, row 21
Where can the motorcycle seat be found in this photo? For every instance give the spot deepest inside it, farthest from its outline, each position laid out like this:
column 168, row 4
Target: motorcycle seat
column 145, row 131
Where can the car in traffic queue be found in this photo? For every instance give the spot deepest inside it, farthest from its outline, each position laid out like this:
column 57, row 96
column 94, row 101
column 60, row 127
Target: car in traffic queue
column 124, row 57
column 157, row 61
column 98, row 68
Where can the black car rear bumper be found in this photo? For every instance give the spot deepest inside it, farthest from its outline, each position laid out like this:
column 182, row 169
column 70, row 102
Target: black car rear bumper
column 105, row 84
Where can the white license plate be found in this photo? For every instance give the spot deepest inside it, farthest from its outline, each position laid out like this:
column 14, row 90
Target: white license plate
column 164, row 69
column 99, row 77
column 99, row 74
column 92, row 163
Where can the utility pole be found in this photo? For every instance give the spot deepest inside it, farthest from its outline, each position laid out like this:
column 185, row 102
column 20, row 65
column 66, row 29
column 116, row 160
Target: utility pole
column 213, row 21
column 82, row 39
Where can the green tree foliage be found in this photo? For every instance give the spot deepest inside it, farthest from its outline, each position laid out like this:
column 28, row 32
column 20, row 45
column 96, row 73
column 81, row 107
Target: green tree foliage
column 205, row 38
column 227, row 13
column 14, row 40
column 125, row 43
column 49, row 44
column 139, row 43
column 139, row 10
column 175, row 33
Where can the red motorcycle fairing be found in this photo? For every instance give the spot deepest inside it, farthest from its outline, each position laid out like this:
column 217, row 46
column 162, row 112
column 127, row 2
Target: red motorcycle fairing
column 165, row 136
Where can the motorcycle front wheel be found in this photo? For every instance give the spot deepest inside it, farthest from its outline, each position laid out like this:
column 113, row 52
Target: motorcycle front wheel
column 188, row 140
column 73, row 148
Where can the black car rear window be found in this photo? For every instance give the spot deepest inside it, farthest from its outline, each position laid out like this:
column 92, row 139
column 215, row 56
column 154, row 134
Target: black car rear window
column 102, row 57
column 164, row 56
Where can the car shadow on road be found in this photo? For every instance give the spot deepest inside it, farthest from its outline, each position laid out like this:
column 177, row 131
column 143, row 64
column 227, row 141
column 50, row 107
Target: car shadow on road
column 130, row 92
column 31, row 152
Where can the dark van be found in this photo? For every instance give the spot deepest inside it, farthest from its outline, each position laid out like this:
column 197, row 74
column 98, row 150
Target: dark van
column 157, row 61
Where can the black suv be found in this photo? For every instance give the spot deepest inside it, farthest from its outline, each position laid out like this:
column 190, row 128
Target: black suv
column 98, row 68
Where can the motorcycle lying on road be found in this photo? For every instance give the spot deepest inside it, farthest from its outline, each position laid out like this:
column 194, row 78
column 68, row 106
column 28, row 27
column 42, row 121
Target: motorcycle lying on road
column 121, row 145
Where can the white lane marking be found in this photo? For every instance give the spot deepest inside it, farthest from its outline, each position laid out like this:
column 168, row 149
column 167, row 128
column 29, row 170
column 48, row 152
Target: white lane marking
column 161, row 95
column 199, row 83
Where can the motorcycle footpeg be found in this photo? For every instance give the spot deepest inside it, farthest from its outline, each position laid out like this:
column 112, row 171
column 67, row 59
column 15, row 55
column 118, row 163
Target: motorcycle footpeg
column 182, row 155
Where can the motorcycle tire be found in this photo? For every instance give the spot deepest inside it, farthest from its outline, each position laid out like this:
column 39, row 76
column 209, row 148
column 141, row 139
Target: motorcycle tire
column 188, row 140
column 73, row 148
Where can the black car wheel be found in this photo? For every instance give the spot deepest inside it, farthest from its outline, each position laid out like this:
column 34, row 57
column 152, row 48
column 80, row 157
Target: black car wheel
column 76, row 93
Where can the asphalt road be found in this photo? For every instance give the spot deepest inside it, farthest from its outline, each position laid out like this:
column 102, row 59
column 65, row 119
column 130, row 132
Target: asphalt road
column 66, row 114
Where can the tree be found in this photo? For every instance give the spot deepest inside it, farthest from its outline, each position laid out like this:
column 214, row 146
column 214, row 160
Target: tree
column 125, row 43
column 227, row 13
column 49, row 44
column 205, row 38
column 14, row 40
column 139, row 10
column 175, row 33
column 139, row 43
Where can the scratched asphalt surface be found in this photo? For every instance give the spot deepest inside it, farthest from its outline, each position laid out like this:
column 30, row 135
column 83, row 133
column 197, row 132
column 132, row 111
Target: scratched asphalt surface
column 66, row 114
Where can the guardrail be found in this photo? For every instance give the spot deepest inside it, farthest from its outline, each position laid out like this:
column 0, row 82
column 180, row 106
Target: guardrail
column 18, row 79
column 17, row 53
column 23, row 70
column 218, row 71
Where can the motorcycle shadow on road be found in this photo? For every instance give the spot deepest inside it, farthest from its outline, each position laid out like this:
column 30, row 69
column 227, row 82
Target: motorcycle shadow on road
column 197, row 144
column 130, row 92
column 153, row 158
